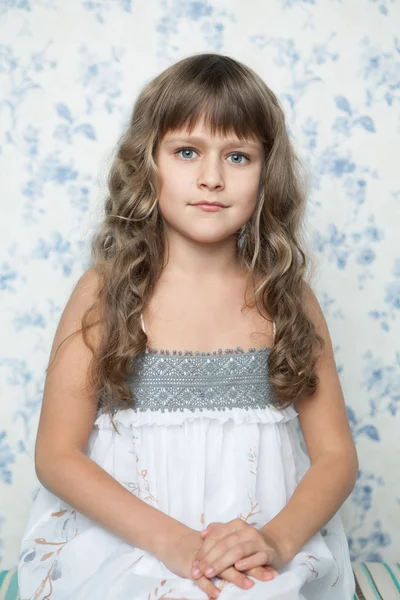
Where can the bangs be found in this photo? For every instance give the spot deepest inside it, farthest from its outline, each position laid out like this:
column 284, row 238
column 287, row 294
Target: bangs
column 221, row 94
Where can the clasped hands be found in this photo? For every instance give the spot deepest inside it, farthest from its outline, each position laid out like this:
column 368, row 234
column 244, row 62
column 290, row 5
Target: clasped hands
column 234, row 550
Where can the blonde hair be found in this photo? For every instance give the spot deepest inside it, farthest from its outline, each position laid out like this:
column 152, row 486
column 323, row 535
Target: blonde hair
column 129, row 248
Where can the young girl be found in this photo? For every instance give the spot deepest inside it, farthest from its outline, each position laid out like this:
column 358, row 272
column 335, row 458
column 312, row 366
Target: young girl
column 167, row 443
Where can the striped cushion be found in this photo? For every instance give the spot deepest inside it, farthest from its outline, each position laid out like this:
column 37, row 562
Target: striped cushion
column 9, row 585
column 374, row 581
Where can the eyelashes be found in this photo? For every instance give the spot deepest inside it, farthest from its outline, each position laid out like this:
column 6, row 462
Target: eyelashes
column 190, row 149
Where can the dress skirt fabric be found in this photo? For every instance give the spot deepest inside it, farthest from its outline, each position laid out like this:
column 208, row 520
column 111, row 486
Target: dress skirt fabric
column 197, row 466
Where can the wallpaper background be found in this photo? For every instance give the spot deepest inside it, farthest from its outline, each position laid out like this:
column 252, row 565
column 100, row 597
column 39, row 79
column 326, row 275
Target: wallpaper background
column 70, row 72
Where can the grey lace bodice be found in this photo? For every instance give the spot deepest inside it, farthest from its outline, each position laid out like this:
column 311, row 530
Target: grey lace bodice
column 171, row 381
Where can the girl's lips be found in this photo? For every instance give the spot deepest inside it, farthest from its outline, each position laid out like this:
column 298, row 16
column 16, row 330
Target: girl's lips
column 209, row 207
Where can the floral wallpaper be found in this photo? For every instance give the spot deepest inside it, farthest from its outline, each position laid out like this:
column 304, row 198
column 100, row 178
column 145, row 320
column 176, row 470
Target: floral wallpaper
column 70, row 72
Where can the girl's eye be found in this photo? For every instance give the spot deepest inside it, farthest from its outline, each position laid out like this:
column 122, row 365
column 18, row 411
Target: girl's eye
column 240, row 155
column 188, row 150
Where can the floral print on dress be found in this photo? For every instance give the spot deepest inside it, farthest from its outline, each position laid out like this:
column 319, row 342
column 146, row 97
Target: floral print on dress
column 251, row 513
column 141, row 488
column 311, row 566
column 252, row 458
column 52, row 551
column 325, row 532
column 156, row 594
column 338, row 575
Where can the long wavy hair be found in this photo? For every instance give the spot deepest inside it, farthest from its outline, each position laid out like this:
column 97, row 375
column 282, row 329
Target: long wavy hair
column 129, row 248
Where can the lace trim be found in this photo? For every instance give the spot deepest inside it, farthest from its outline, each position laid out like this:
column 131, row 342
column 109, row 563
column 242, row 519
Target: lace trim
column 237, row 350
column 197, row 382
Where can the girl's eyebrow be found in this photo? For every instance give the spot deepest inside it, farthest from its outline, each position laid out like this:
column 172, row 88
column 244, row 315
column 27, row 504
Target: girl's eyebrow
column 199, row 140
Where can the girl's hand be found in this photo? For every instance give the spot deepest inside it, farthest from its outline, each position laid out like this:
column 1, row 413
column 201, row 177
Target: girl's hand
column 179, row 556
column 237, row 544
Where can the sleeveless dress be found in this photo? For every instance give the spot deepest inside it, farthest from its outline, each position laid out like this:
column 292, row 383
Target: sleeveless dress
column 202, row 443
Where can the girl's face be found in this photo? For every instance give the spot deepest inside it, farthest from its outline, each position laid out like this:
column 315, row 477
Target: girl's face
column 202, row 167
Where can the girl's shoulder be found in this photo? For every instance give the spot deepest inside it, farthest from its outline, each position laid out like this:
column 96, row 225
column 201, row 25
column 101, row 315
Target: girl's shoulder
column 87, row 286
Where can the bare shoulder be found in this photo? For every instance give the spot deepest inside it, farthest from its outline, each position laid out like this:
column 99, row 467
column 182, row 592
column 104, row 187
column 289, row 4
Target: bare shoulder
column 323, row 416
column 86, row 288
column 68, row 411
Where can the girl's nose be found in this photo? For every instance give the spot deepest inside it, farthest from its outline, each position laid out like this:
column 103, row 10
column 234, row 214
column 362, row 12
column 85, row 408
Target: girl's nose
column 211, row 174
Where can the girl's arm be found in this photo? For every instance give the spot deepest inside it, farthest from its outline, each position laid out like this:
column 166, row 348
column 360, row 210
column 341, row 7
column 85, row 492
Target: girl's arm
column 334, row 463
column 66, row 421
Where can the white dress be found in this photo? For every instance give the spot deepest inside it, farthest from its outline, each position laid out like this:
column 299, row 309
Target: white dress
column 203, row 443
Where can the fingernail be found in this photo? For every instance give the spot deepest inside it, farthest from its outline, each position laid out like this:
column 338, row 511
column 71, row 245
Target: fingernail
column 196, row 572
column 249, row 582
column 195, row 563
column 272, row 575
column 209, row 571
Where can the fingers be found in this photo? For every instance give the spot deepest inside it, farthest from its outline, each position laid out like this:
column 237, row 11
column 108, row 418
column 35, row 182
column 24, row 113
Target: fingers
column 240, row 579
column 208, row 542
column 229, row 551
column 211, row 535
column 262, row 573
column 207, row 586
column 251, row 561
column 217, row 557
column 216, row 531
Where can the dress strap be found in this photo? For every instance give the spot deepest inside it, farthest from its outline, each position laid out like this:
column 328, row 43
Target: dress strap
column 274, row 327
column 144, row 328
